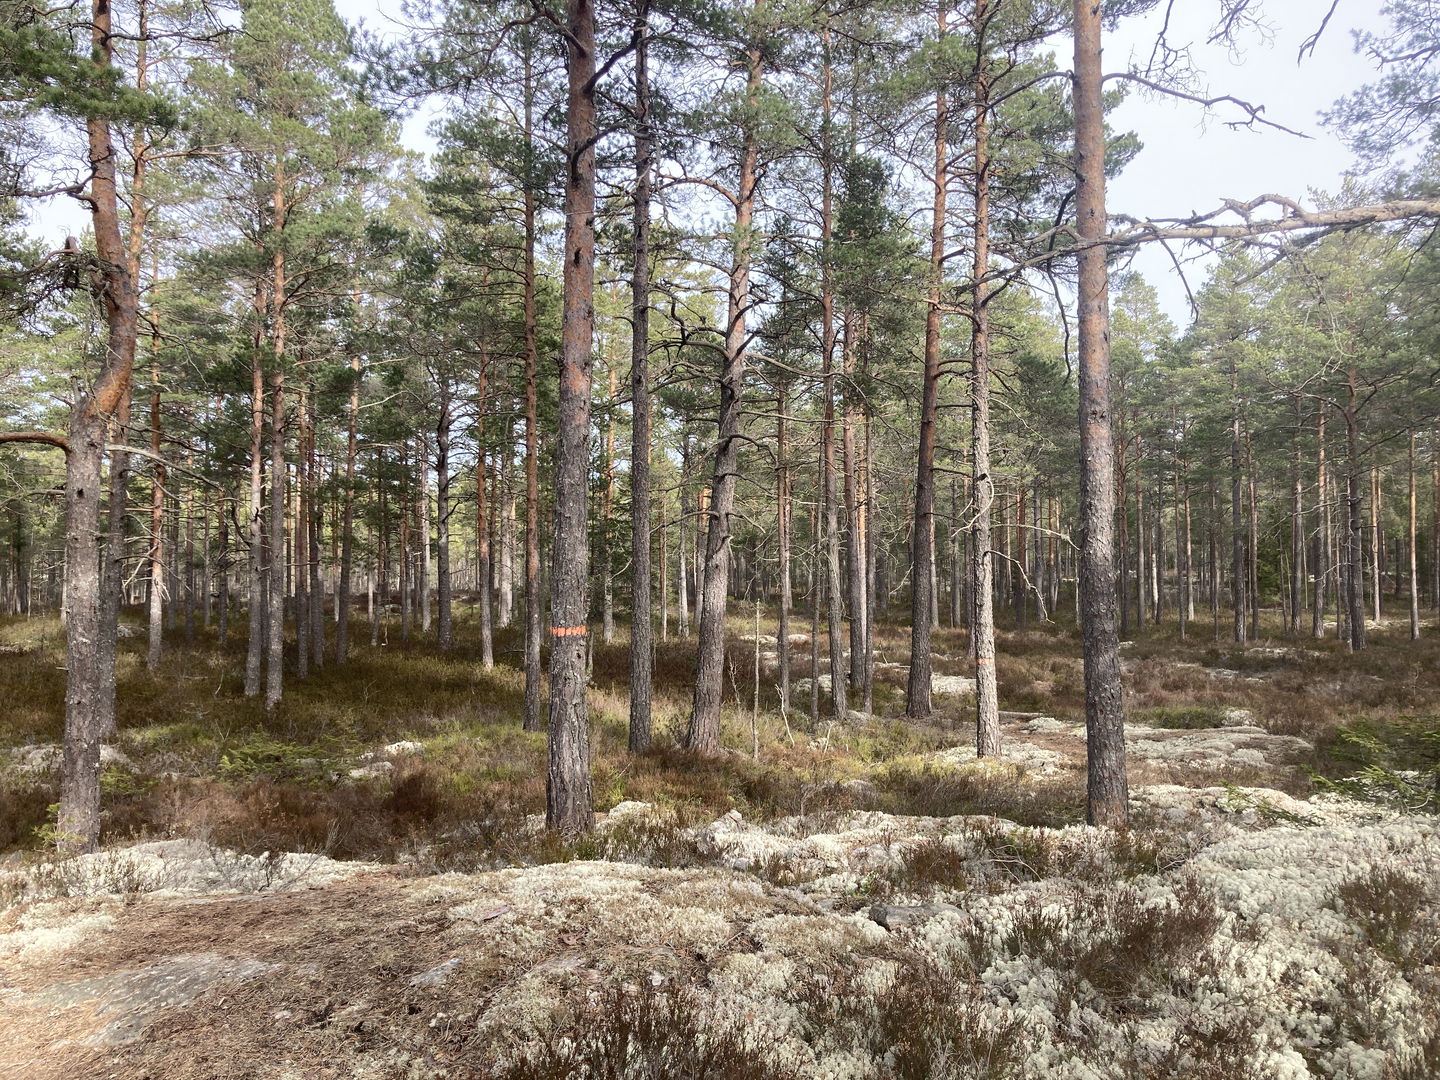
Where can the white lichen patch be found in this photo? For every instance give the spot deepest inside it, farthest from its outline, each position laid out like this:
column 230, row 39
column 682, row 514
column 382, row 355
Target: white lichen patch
column 1215, row 748
column 169, row 867
column 1177, row 804
column 1016, row 753
column 51, row 928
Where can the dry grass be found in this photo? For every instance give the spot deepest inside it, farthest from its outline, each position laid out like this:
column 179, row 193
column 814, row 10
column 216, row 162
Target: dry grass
column 209, row 761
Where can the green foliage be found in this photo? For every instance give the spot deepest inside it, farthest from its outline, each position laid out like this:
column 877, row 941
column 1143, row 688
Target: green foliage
column 1395, row 761
column 49, row 66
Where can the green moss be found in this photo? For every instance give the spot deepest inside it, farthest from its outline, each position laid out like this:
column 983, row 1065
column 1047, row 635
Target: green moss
column 1186, row 717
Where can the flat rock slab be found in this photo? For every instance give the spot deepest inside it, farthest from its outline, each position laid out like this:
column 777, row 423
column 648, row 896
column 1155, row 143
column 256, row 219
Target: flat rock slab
column 895, row 916
column 112, row 1010
column 1216, row 747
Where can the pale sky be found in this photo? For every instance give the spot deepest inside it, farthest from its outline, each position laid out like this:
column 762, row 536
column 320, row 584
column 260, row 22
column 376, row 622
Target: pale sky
column 1191, row 159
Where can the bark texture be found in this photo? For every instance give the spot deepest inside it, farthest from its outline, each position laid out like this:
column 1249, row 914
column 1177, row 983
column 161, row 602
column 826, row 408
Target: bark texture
column 1107, row 789
column 569, row 808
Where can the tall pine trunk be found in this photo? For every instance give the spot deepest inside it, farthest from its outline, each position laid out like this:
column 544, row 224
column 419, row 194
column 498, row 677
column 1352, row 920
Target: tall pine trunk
column 1107, row 788
column 703, row 735
column 568, row 799
column 89, row 694
column 347, row 528
column 641, row 634
column 922, row 532
column 982, row 621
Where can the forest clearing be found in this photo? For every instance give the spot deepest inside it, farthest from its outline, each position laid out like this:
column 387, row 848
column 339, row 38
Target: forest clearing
column 693, row 540
column 862, row 898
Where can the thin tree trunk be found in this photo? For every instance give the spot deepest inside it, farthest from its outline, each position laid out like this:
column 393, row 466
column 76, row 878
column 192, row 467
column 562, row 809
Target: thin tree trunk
column 1252, row 561
column 223, row 615
column 445, row 627
column 422, row 521
column 982, row 623
column 642, row 646
column 1121, row 474
column 1354, row 567
column 301, row 534
column 483, row 513
column 275, row 632
column 317, row 532
column 922, row 533
column 834, row 590
column 1322, row 525
column 703, row 735
column 158, row 479
column 1107, row 788
column 1414, row 566
column 1297, row 528
column 531, row 716
column 782, row 526
column 347, row 528
column 607, row 510
column 871, row 563
column 1239, row 571
column 258, row 617
column 1141, row 572
column 1377, row 543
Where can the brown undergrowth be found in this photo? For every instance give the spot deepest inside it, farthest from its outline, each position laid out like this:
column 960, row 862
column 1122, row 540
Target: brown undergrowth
column 205, row 760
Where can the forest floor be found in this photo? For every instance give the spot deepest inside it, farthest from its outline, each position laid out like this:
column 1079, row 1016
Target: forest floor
column 359, row 884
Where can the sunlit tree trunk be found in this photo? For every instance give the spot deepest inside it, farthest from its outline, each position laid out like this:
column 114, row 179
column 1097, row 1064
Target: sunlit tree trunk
column 642, row 646
column 568, row 798
column 982, row 621
column 922, row 533
column 1107, row 788
column 703, row 735
column 347, row 528
column 1414, row 565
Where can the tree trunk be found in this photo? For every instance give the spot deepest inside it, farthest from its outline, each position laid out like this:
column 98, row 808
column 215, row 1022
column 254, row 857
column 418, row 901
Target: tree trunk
column 223, row 615
column 158, row 478
column 871, row 546
column 1107, row 788
column 1322, row 526
column 347, row 528
column 703, row 735
column 682, row 586
column 782, row 527
column 445, row 627
column 834, row 590
column 1377, row 543
column 1121, row 467
column 1141, row 572
column 1414, row 566
column 607, row 510
column 1354, row 588
column 982, row 622
column 922, row 533
column 569, row 803
column 301, row 534
column 422, row 522
column 1239, row 569
column 483, row 513
column 531, row 715
column 316, row 531
column 89, row 691
column 275, row 631
column 258, row 617
column 642, row 648
column 1252, row 561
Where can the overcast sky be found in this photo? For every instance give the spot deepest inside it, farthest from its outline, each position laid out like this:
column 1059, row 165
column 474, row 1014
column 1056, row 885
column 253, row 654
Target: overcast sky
column 1191, row 158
